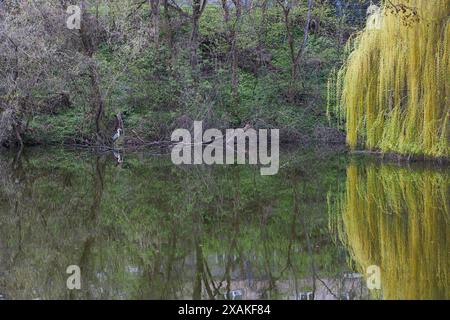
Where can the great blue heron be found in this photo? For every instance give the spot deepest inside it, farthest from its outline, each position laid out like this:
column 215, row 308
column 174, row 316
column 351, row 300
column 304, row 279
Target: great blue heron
column 117, row 135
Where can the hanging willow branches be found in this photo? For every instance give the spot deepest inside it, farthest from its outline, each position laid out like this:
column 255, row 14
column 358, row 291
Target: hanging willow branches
column 393, row 90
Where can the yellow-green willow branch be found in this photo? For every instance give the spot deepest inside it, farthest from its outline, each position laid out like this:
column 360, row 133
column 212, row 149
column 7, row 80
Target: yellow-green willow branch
column 393, row 90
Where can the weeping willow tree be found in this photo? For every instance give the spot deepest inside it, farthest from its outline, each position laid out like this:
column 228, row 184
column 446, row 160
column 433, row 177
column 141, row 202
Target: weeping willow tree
column 393, row 89
column 398, row 219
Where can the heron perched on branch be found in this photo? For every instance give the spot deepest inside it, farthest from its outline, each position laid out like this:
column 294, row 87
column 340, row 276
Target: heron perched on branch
column 117, row 135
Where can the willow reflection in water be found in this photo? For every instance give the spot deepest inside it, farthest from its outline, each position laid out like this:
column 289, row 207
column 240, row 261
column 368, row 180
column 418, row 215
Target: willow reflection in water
column 398, row 219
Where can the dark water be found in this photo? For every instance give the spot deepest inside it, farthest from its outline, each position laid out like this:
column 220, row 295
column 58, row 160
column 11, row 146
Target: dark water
column 146, row 229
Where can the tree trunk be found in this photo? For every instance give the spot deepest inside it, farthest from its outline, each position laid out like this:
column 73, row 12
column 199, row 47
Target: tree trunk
column 234, row 53
column 97, row 104
column 302, row 49
column 290, row 38
column 194, row 44
column 168, row 32
column 86, row 34
column 233, row 30
column 197, row 9
column 154, row 5
column 295, row 56
column 262, row 32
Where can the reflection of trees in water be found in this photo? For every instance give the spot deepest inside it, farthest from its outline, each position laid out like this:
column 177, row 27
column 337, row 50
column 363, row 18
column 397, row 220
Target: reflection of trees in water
column 398, row 218
column 43, row 226
column 149, row 229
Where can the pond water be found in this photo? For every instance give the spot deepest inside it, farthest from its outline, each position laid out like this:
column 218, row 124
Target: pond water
column 147, row 229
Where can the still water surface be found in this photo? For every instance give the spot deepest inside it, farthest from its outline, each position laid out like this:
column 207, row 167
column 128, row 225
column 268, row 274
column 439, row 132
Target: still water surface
column 146, row 229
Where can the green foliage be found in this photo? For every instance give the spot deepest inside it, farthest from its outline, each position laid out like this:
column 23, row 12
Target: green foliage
column 152, row 82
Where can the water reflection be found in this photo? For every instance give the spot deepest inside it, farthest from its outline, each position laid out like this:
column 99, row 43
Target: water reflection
column 398, row 218
column 149, row 230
